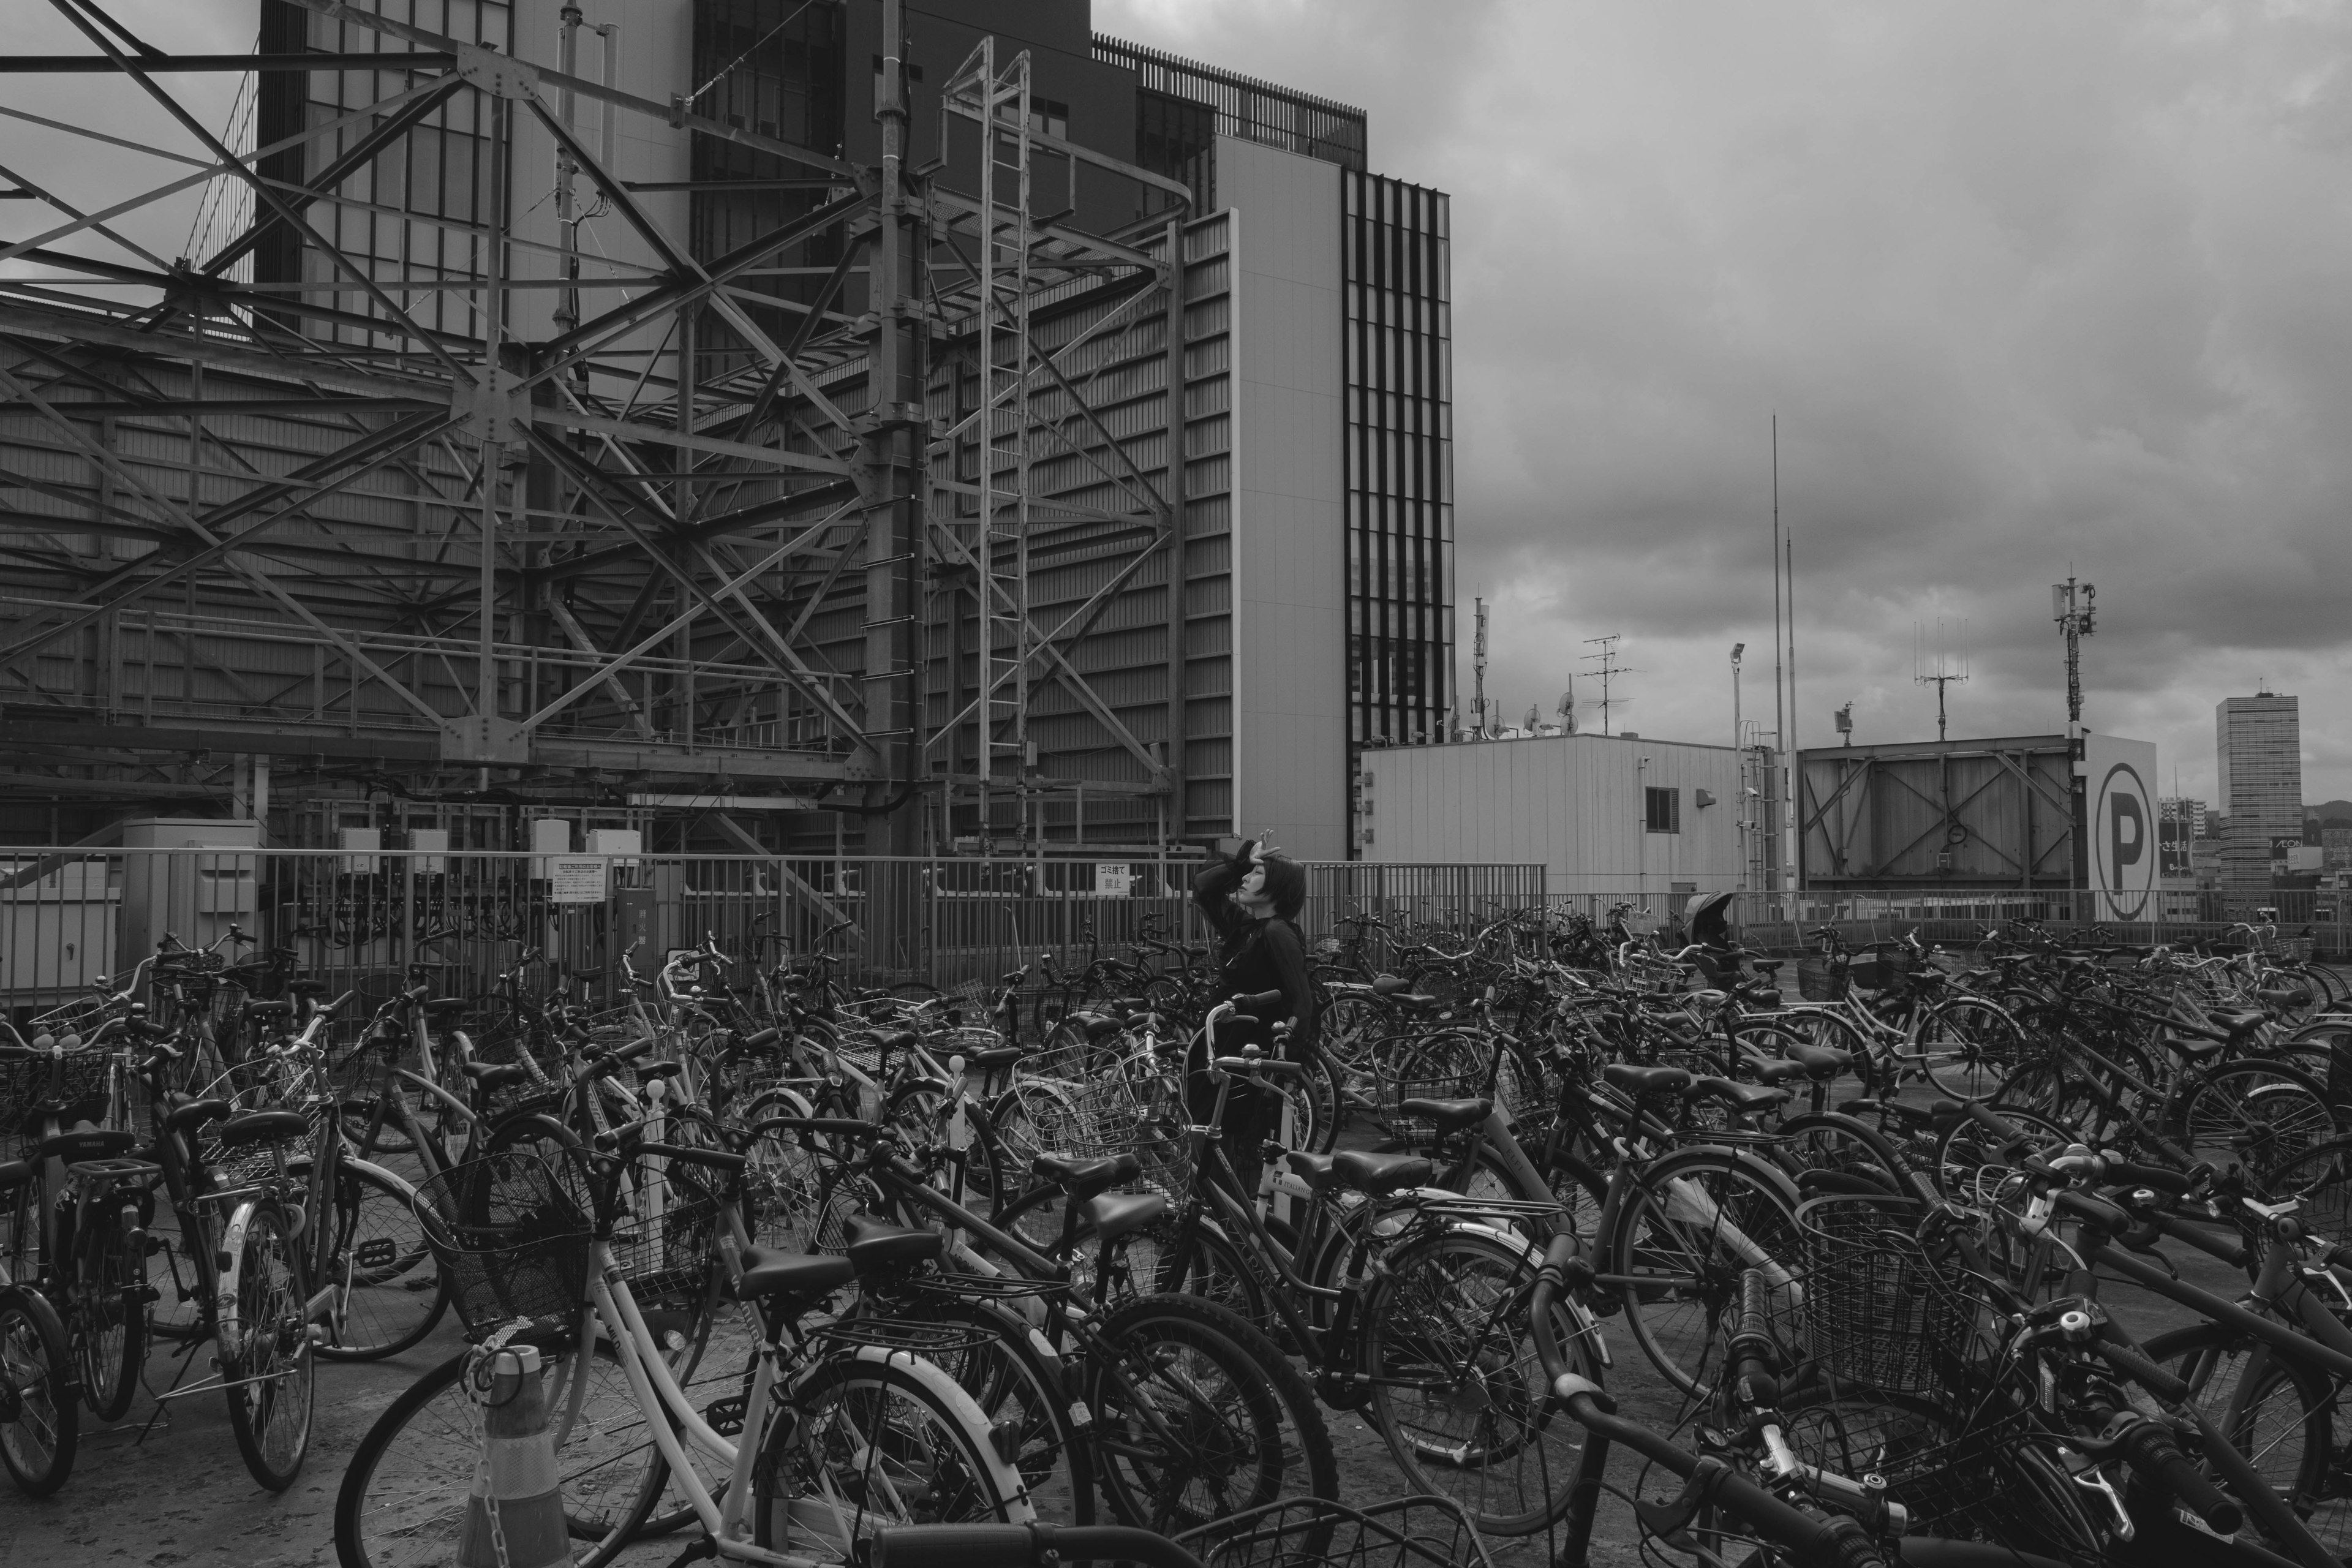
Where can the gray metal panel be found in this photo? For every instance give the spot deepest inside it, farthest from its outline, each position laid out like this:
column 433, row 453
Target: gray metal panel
column 1962, row 814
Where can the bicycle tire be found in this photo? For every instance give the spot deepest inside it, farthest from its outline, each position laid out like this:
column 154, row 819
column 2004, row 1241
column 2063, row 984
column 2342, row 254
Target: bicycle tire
column 402, row 1502
column 1677, row 1247
column 1488, row 1440
column 1163, row 1350
column 391, row 1305
column 2285, row 1429
column 105, row 1317
column 1975, row 1047
column 39, row 1436
column 266, row 1354
column 961, row 1480
column 358, row 1115
column 2261, row 1113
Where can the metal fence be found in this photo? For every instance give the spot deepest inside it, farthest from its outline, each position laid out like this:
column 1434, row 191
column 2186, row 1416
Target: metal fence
column 362, row 921
column 1777, row 923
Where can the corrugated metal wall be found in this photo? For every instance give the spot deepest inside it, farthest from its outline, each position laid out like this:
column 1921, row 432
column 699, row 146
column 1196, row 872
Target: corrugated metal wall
column 1962, row 813
column 1574, row 803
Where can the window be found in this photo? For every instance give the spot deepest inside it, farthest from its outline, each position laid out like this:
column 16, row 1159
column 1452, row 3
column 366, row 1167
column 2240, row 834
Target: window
column 1665, row 810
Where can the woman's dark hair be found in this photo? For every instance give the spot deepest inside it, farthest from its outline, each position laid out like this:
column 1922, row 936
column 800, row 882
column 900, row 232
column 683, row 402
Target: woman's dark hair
column 1286, row 884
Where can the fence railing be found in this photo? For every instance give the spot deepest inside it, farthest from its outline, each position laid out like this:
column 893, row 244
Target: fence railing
column 362, row 921
column 1779, row 921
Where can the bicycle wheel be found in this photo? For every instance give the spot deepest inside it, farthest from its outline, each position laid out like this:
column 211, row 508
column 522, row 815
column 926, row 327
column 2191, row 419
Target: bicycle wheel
column 394, row 1290
column 265, row 1355
column 1966, row 1048
column 1198, row 1416
column 2283, row 1424
column 41, row 1419
column 2321, row 1176
column 922, row 1108
column 872, row 1443
column 2260, row 1114
column 1698, row 1217
column 106, row 1315
column 1460, row 1397
column 402, row 1500
column 1019, row 1384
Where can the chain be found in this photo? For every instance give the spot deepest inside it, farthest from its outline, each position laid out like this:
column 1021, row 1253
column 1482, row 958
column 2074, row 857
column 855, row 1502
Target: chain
column 479, row 1382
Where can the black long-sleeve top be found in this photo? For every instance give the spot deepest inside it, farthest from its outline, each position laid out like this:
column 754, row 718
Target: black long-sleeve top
column 1258, row 955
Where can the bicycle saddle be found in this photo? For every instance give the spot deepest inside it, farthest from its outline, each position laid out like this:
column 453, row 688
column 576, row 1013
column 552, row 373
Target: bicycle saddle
column 1640, row 1080
column 1131, row 1004
column 900, row 1040
column 876, row 1244
column 195, row 1113
column 767, row 1272
column 262, row 1127
column 1822, row 1061
column 1451, row 1115
column 1082, row 1179
column 442, row 1006
column 1390, row 985
column 1376, row 1175
column 85, row 1143
column 1098, row 1025
column 1314, row 1169
column 1113, row 1214
column 2284, row 996
column 276, row 1009
column 657, row 1070
column 502, row 1075
column 1746, row 1098
column 1768, row 967
column 15, row 1173
column 1777, row 1071
column 993, row 1057
column 308, row 987
column 2238, row 1025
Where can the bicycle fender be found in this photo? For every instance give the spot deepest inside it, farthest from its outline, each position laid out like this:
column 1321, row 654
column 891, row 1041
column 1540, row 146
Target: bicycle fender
column 36, row 1306
column 400, row 1184
column 1587, row 1326
column 967, row 1412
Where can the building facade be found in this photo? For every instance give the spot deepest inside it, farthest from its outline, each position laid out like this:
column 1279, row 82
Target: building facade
column 1308, row 450
column 2258, row 755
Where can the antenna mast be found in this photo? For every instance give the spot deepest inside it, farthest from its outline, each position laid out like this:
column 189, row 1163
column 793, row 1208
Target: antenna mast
column 2071, row 606
column 1609, row 668
column 1478, row 668
column 1943, row 675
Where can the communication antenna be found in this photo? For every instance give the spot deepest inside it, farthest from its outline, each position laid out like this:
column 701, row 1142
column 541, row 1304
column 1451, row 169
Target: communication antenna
column 1567, row 709
column 1609, row 671
column 2073, row 607
column 1938, row 669
column 1478, row 668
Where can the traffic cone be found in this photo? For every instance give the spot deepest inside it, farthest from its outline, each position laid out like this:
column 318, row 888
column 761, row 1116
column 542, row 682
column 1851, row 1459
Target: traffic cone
column 514, row 1514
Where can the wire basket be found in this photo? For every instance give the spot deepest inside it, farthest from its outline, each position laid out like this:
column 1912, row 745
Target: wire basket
column 1966, row 1481
column 2290, row 949
column 1314, row 1532
column 513, row 1234
column 82, row 1088
column 1449, row 1066
column 666, row 1230
column 1876, row 1310
column 250, row 1164
column 1822, row 978
column 1885, row 970
column 1135, row 1109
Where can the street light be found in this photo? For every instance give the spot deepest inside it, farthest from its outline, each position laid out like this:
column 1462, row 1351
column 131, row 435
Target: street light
column 1737, row 650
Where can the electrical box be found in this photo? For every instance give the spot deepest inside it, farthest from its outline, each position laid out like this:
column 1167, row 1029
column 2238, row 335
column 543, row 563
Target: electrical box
column 431, row 839
column 182, row 875
column 549, row 835
column 615, row 841
column 357, row 844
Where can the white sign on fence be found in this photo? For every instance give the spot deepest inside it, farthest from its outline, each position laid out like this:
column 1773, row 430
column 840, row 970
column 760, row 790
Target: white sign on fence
column 1113, row 880
column 578, row 878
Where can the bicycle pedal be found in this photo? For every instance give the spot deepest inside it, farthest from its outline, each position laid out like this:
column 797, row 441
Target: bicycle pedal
column 726, row 1415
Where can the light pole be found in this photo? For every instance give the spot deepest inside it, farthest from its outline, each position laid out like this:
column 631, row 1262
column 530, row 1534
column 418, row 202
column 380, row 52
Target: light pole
column 1737, row 650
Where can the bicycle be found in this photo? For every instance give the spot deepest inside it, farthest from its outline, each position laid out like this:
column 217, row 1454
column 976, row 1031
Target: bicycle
column 837, row 1431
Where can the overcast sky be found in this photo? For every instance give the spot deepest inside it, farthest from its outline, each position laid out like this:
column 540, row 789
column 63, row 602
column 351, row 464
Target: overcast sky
column 2031, row 286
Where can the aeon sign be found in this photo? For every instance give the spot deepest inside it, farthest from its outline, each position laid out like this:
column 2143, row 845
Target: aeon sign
column 2122, row 812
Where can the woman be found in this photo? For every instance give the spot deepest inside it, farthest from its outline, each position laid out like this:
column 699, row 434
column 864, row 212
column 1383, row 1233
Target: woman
column 1251, row 901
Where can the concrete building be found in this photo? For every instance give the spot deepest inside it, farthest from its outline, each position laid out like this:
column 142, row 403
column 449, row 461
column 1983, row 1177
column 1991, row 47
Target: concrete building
column 1619, row 815
column 2258, row 754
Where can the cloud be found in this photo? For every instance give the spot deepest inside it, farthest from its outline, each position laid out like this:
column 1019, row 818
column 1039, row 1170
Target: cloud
column 2030, row 288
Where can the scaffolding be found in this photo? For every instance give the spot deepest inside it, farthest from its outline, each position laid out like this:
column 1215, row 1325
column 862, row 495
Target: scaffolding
column 670, row 526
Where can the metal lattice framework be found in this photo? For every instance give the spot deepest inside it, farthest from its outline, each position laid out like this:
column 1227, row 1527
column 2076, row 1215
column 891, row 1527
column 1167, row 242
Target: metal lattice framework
column 696, row 533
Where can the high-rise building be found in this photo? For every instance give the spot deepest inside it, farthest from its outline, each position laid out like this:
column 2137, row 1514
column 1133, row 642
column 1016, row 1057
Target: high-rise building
column 2258, row 753
column 1315, row 421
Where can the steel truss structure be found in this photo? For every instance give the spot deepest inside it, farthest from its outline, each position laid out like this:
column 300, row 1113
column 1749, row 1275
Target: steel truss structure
column 912, row 545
